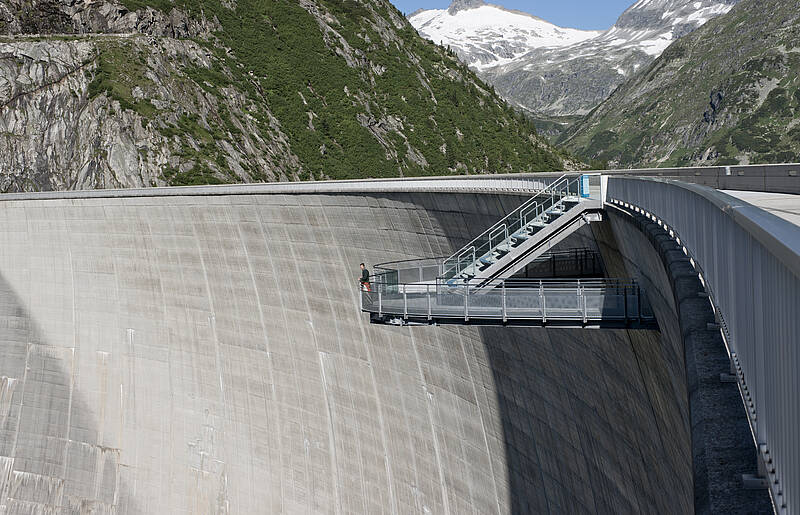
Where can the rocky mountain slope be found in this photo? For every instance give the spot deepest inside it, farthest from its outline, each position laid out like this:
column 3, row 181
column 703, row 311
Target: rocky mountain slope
column 559, row 80
column 150, row 92
column 728, row 93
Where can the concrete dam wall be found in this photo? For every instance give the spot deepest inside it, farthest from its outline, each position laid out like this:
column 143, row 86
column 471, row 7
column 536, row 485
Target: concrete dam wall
column 207, row 355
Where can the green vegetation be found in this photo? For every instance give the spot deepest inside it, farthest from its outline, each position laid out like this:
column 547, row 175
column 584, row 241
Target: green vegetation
column 552, row 126
column 380, row 102
column 119, row 70
column 198, row 175
column 726, row 93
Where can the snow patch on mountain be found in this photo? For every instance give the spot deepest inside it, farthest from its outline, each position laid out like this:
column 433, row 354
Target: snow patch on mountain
column 558, row 71
column 489, row 35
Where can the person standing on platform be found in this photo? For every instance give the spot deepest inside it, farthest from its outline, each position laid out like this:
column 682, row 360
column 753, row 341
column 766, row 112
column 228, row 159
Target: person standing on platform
column 365, row 286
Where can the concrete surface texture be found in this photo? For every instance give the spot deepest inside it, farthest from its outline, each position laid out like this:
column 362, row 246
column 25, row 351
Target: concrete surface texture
column 207, row 355
column 784, row 205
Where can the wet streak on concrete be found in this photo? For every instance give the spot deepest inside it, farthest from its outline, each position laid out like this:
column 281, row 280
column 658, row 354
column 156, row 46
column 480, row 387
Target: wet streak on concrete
column 206, row 355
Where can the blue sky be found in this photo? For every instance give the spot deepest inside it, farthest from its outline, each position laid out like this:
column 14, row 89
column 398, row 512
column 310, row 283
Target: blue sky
column 581, row 14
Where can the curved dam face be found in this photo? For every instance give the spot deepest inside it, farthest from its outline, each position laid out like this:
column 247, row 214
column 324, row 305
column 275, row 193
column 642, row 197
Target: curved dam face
column 207, row 355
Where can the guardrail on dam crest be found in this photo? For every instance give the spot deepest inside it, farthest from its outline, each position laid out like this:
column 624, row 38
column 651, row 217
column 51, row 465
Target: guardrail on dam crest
column 201, row 350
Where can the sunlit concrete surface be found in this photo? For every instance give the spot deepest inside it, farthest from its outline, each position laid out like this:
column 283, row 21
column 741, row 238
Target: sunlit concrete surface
column 784, row 205
column 207, row 355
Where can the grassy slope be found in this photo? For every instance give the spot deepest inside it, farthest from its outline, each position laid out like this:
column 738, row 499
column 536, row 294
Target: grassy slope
column 280, row 59
column 727, row 93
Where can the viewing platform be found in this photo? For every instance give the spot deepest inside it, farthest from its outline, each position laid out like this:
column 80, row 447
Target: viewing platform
column 517, row 302
column 478, row 284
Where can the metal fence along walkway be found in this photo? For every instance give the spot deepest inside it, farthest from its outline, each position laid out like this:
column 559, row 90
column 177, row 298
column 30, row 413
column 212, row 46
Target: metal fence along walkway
column 581, row 303
column 572, row 263
column 749, row 260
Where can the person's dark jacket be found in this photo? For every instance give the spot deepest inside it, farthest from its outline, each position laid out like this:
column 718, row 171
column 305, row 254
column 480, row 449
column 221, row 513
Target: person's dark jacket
column 364, row 276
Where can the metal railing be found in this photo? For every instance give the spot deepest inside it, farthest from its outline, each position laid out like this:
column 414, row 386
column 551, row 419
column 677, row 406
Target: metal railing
column 500, row 231
column 777, row 178
column 573, row 263
column 749, row 261
column 576, row 262
column 504, row 300
column 408, row 271
column 534, row 209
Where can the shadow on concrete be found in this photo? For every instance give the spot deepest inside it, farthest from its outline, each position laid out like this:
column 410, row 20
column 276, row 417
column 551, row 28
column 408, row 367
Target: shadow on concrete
column 590, row 420
column 48, row 445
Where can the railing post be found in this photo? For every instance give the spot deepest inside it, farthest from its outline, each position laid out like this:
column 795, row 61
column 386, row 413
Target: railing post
column 420, row 273
column 542, row 301
column 625, row 296
column 466, row 301
column 503, row 295
column 639, row 303
column 380, row 301
column 585, row 316
column 544, row 309
column 405, row 303
column 428, row 291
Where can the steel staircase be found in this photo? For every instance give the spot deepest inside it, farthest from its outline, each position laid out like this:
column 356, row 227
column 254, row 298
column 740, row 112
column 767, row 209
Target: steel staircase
column 525, row 234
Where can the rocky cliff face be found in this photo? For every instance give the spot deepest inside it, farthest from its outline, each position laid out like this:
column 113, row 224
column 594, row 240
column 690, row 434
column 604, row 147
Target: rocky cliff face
column 571, row 79
column 119, row 94
column 83, row 17
column 728, row 93
column 121, row 111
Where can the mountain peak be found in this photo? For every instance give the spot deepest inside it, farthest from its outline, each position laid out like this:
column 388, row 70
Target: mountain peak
column 464, row 5
column 485, row 35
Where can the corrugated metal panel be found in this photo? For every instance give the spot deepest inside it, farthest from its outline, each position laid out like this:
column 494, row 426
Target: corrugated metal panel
column 751, row 262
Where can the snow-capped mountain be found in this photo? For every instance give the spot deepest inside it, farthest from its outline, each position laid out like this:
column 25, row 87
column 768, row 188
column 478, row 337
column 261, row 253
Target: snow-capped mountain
column 652, row 25
column 486, row 35
column 557, row 76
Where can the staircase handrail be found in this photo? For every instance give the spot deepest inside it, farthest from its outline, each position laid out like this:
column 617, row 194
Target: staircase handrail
column 547, row 191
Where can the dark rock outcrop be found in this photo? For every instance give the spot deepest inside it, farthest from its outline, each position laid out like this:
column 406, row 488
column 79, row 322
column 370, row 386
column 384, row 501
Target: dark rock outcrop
column 463, row 5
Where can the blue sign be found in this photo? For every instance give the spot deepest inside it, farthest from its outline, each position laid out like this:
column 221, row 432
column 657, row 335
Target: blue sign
column 584, row 183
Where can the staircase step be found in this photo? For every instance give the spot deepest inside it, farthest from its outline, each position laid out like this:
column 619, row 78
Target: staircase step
column 485, row 263
column 518, row 239
column 560, row 203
